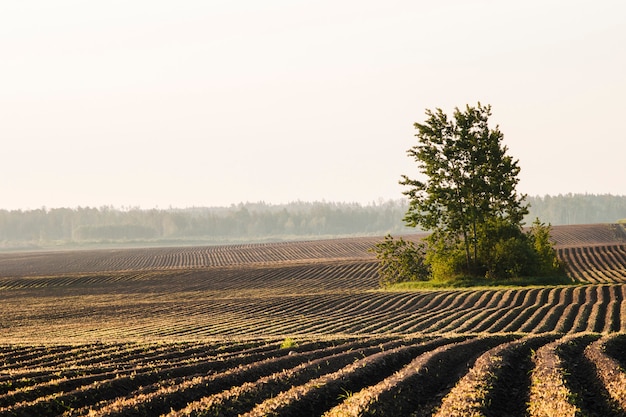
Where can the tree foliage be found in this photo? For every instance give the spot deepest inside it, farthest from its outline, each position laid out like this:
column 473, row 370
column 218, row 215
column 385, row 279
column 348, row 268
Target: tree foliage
column 469, row 180
column 467, row 198
column 400, row 261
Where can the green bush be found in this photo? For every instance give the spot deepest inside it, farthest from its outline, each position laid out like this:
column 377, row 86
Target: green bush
column 400, row 261
column 504, row 252
column 446, row 259
column 547, row 262
column 288, row 343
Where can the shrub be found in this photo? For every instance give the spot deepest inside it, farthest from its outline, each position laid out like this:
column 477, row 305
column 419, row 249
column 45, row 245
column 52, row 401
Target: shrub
column 288, row 343
column 547, row 262
column 503, row 251
column 400, row 261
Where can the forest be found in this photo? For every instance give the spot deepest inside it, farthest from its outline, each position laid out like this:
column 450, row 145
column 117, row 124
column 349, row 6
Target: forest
column 49, row 227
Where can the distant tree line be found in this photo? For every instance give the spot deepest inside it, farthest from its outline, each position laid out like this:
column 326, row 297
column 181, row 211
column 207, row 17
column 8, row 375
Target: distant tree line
column 257, row 221
column 252, row 221
column 577, row 208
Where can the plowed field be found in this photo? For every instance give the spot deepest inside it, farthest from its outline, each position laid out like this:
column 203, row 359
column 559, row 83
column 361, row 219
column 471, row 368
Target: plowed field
column 198, row 331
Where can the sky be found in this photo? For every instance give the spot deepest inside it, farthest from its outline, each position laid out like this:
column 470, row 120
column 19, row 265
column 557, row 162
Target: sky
column 159, row 104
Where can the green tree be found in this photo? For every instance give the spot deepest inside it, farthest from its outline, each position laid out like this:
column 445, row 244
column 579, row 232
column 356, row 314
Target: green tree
column 400, row 261
column 469, row 181
column 467, row 198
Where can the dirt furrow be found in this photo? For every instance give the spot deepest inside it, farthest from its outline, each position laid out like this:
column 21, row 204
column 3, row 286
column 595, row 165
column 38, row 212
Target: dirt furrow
column 498, row 384
column 45, row 400
column 417, row 389
column 321, row 394
column 589, row 394
column 609, row 371
column 178, row 395
column 549, row 394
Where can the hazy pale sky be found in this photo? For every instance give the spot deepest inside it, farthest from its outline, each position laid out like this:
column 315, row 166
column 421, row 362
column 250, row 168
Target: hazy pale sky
column 205, row 103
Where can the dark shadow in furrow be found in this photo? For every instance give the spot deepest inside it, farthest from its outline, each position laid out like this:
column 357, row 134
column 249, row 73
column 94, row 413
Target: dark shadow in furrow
column 551, row 317
column 615, row 347
column 27, row 354
column 423, row 391
column 142, row 354
column 478, row 305
column 316, row 405
column 615, row 313
column 611, row 263
column 485, row 307
column 589, row 297
column 74, row 397
column 62, row 385
column 48, row 370
column 571, row 311
column 365, row 320
column 581, row 379
column 540, row 297
column 499, row 316
column 440, row 300
column 396, row 320
column 437, row 315
column 97, row 370
column 604, row 297
column 596, row 256
column 571, row 265
column 545, row 306
column 46, row 358
column 582, row 260
column 432, row 318
column 555, row 314
column 483, row 313
column 403, row 307
column 621, row 253
column 510, row 393
column 334, row 321
column 330, row 363
column 587, row 274
column 383, row 304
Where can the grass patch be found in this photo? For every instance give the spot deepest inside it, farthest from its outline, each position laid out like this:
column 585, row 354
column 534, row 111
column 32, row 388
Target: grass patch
column 288, row 343
column 472, row 282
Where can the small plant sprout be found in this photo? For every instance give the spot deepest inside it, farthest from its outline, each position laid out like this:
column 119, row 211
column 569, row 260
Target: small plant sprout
column 288, row 343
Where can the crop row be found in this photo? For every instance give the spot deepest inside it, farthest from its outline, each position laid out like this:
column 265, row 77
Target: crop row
column 536, row 310
column 462, row 375
column 297, row 277
column 33, row 264
column 592, row 264
column 588, row 234
column 595, row 264
column 134, row 315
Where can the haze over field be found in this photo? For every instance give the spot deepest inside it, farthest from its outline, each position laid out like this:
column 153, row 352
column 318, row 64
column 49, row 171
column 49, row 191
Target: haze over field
column 208, row 103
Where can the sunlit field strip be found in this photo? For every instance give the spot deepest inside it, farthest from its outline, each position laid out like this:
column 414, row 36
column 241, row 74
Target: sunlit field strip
column 217, row 331
column 440, row 375
column 588, row 234
column 150, row 259
column 590, row 308
column 595, row 264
